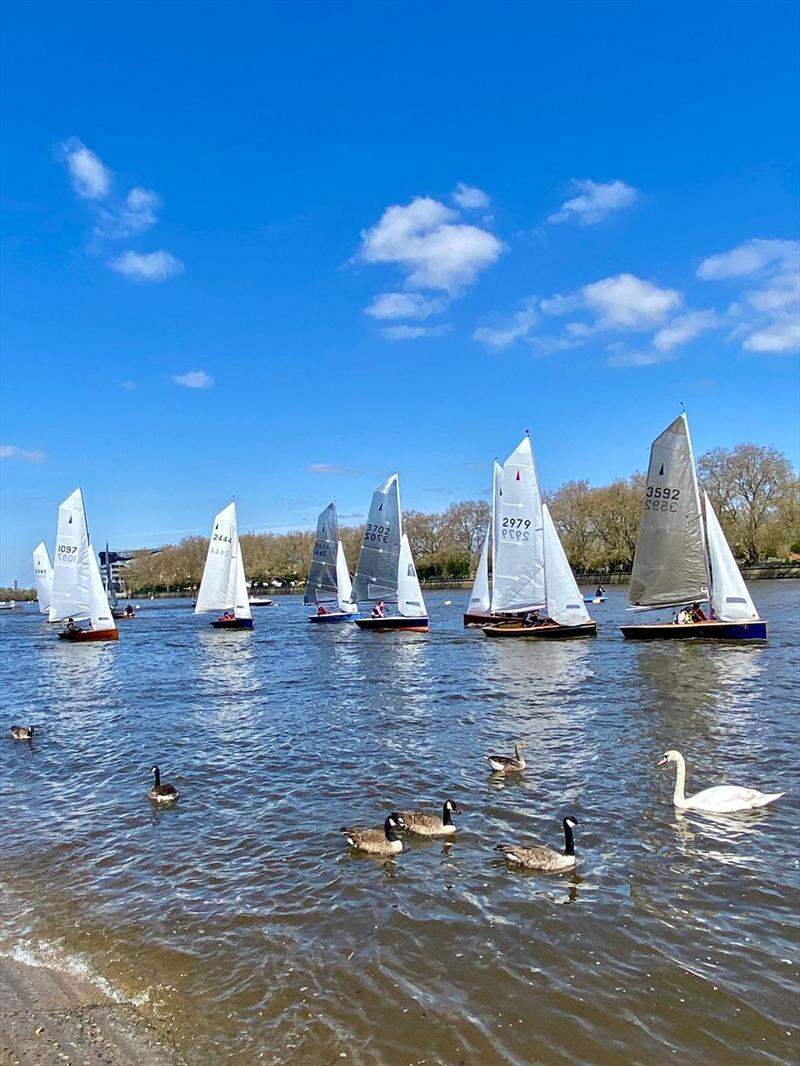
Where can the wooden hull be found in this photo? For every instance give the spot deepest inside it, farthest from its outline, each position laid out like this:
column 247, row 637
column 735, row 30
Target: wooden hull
column 485, row 618
column 331, row 617
column 546, row 632
column 84, row 636
column 394, row 624
column 233, row 623
column 739, row 631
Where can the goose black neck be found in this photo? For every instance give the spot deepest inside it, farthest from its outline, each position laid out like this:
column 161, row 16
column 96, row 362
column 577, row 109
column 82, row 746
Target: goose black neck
column 157, row 776
column 388, row 829
column 569, row 843
column 446, row 818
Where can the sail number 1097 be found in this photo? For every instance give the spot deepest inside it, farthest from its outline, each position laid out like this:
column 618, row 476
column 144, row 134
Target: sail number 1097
column 661, row 499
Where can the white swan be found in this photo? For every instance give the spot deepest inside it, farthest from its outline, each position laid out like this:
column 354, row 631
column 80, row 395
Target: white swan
column 721, row 799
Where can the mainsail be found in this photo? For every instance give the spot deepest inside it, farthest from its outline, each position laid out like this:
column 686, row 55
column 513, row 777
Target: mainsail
column 563, row 600
column 730, row 600
column 223, row 586
column 43, row 574
column 518, row 579
column 670, row 566
column 322, row 585
column 71, row 574
column 410, row 603
column 376, row 573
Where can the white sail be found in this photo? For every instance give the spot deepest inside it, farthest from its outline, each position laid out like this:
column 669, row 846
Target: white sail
column 480, row 598
column 223, row 586
column 99, row 609
column 518, row 580
column 410, row 603
column 71, row 575
column 563, row 600
column 344, row 586
column 43, row 574
column 376, row 573
column 730, row 600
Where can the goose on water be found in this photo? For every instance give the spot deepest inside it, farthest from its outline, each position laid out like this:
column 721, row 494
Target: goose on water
column 508, row 764
column 377, row 841
column 22, row 732
column 431, row 825
column 721, row 799
column 161, row 793
column 543, row 858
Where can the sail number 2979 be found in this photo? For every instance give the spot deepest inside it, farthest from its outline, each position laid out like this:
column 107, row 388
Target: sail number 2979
column 661, row 499
column 515, row 529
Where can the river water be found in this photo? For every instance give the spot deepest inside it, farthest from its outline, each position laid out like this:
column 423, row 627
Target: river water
column 241, row 924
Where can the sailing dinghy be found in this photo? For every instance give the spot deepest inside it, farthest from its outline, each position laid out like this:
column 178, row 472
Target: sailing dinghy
column 43, row 575
column 77, row 592
column 223, row 586
column 386, row 572
column 682, row 558
column 116, row 611
column 566, row 614
column 479, row 608
column 329, row 587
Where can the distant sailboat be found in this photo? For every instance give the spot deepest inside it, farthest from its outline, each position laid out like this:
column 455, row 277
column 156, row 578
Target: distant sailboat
column 223, row 586
column 329, row 586
column 77, row 591
column 566, row 614
column 479, row 608
column 43, row 575
column 682, row 557
column 116, row 611
column 386, row 572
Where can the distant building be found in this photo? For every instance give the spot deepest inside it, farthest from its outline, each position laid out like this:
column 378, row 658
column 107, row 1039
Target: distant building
column 119, row 560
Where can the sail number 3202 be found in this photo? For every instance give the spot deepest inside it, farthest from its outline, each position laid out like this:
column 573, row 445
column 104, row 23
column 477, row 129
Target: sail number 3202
column 661, row 499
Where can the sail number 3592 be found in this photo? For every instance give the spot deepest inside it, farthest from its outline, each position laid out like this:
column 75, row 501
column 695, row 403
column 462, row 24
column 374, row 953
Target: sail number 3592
column 661, row 499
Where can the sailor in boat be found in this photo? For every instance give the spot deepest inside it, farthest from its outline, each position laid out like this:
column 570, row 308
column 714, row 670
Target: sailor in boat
column 322, row 609
column 129, row 611
column 72, row 626
column 532, row 618
column 379, row 610
column 228, row 616
column 600, row 591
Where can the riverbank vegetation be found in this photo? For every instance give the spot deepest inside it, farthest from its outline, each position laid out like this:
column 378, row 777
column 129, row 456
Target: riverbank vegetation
column 754, row 490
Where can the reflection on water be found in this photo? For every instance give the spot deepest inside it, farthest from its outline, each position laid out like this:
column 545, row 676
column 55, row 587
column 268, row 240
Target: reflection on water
column 240, row 919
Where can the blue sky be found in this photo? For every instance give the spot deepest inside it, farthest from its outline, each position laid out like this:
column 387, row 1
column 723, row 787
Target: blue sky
column 282, row 250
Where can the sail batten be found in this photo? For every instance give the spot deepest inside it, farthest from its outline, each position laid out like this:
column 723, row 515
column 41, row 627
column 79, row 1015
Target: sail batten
column 670, row 564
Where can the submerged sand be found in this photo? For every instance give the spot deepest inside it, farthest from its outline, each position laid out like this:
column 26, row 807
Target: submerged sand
column 49, row 1018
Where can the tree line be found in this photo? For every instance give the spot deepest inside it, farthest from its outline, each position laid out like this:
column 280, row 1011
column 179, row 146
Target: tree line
column 753, row 489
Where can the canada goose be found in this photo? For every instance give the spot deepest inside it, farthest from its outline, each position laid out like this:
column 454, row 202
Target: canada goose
column 541, row 857
column 508, row 764
column 721, row 799
column 22, row 732
column 159, row 793
column 377, row 841
column 431, row 825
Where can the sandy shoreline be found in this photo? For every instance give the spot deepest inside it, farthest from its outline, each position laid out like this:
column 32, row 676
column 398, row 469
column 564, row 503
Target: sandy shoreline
column 47, row 1017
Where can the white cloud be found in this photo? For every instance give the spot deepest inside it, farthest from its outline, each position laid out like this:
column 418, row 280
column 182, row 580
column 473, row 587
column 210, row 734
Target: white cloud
column 519, row 325
column 410, row 333
column 130, row 386
column 685, row 328
column 135, row 215
column 630, row 303
column 596, row 201
column 622, row 359
column 426, row 240
column 194, row 379
column 750, row 257
column 561, row 305
column 91, row 178
column 332, row 468
column 782, row 335
column 771, row 311
column 11, row 451
column 403, row 305
column 147, row 266
column 470, row 198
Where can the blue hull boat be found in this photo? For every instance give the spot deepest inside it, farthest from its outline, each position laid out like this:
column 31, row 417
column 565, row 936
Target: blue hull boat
column 711, row 630
column 332, row 616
